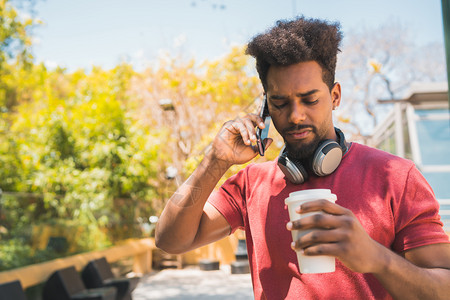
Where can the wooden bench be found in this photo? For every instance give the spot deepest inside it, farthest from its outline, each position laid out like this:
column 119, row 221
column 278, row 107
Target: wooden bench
column 98, row 273
column 66, row 284
column 140, row 250
column 12, row 291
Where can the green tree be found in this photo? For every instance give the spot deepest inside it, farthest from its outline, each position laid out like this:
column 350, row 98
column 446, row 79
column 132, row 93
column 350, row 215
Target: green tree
column 15, row 50
column 76, row 144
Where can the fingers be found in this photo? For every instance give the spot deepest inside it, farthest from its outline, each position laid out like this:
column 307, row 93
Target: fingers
column 316, row 220
column 321, row 249
column 323, row 233
column 322, row 205
column 246, row 130
column 246, row 127
column 326, row 237
column 315, row 242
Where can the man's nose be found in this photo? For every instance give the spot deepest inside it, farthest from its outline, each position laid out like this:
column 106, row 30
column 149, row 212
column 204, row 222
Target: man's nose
column 298, row 113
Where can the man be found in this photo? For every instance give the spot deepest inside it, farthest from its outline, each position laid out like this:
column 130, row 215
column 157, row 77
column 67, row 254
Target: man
column 384, row 229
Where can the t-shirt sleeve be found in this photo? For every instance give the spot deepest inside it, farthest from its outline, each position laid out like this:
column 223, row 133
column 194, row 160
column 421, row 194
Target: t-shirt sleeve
column 417, row 215
column 229, row 200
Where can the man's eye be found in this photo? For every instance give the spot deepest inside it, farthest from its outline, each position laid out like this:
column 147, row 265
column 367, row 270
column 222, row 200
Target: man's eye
column 311, row 102
column 280, row 106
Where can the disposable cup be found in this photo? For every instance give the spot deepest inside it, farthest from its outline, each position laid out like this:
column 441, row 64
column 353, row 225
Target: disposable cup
column 309, row 264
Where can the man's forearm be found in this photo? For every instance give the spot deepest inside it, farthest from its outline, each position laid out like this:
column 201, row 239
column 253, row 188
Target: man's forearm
column 404, row 280
column 180, row 220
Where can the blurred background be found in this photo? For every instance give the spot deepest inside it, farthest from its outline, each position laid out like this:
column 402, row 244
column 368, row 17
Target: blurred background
column 107, row 106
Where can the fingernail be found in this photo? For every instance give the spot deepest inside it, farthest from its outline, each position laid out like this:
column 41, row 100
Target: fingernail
column 289, row 225
column 293, row 245
column 262, row 124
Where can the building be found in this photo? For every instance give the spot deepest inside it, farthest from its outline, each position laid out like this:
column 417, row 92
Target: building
column 418, row 128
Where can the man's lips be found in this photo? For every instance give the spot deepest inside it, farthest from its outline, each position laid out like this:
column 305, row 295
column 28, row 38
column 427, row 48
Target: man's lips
column 299, row 134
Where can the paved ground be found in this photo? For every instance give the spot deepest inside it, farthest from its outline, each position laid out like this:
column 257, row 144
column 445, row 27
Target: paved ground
column 192, row 283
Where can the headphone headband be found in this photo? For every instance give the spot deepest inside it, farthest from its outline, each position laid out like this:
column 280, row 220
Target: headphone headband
column 341, row 140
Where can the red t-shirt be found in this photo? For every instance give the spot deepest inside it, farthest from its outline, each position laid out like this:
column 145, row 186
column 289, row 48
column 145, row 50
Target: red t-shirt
column 388, row 195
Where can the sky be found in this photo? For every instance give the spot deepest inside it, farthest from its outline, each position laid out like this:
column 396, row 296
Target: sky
column 81, row 33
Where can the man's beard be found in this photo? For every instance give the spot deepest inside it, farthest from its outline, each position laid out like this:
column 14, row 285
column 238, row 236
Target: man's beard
column 303, row 151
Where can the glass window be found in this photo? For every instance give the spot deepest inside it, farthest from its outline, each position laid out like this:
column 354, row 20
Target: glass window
column 433, row 129
column 439, row 181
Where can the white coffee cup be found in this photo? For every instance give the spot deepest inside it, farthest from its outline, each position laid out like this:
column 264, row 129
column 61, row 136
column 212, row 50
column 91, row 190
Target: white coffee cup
column 310, row 264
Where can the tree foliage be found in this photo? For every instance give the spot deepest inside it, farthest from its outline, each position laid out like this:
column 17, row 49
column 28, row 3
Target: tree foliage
column 15, row 50
column 90, row 149
column 382, row 63
column 76, row 145
column 96, row 145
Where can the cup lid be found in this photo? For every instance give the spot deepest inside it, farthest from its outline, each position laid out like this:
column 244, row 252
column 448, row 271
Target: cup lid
column 318, row 194
column 310, row 191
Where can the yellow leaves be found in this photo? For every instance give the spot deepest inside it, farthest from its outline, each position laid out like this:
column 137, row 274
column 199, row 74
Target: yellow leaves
column 343, row 119
column 14, row 39
column 375, row 66
column 174, row 83
column 204, row 95
column 112, row 118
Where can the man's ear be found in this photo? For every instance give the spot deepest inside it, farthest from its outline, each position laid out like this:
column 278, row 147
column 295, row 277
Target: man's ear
column 336, row 95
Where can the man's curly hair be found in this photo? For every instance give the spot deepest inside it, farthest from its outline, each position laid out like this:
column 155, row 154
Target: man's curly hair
column 300, row 40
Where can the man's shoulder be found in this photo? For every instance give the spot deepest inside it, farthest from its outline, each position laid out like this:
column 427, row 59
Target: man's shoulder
column 370, row 154
column 261, row 167
column 258, row 171
column 255, row 173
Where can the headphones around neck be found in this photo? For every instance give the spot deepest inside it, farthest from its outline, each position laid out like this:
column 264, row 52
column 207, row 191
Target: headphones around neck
column 326, row 159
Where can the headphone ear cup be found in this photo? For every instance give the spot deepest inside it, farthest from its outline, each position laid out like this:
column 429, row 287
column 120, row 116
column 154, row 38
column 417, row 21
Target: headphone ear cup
column 327, row 158
column 293, row 170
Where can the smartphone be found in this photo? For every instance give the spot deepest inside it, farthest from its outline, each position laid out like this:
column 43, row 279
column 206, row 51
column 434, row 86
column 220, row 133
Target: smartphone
column 262, row 134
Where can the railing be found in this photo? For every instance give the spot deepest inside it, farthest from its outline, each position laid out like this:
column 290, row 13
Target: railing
column 140, row 250
column 445, row 213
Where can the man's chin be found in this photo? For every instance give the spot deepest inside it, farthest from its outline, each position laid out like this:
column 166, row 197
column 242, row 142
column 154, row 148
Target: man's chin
column 301, row 151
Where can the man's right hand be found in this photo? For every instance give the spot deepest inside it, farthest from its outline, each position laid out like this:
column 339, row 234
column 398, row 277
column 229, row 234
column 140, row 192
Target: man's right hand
column 235, row 142
column 188, row 221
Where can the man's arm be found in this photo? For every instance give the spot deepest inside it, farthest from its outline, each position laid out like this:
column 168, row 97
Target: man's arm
column 421, row 273
column 187, row 221
column 424, row 274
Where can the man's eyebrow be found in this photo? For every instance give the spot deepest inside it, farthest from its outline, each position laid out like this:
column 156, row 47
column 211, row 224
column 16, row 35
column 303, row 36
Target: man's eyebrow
column 278, row 97
column 309, row 93
column 301, row 95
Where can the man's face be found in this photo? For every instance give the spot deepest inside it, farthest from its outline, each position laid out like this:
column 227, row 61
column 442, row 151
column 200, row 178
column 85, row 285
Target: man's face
column 301, row 105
